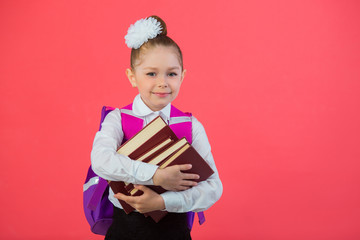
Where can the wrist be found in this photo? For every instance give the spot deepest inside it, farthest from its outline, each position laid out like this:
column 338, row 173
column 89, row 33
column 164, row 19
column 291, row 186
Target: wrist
column 157, row 177
column 161, row 203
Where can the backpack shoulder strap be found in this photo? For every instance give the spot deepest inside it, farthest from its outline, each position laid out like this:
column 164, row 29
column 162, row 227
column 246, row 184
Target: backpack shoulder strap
column 131, row 124
column 104, row 111
column 181, row 123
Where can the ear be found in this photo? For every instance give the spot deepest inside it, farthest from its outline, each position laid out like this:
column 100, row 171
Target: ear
column 131, row 76
column 183, row 75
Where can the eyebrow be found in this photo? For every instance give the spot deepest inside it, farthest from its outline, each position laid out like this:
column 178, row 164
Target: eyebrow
column 154, row 68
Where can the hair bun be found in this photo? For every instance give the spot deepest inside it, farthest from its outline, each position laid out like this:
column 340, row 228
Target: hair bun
column 162, row 23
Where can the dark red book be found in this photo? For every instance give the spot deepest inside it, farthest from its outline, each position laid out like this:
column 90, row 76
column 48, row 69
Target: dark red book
column 148, row 142
column 185, row 154
column 157, row 144
column 119, row 187
column 162, row 155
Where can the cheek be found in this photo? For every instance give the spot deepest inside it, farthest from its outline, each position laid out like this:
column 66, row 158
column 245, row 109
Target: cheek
column 176, row 86
column 143, row 86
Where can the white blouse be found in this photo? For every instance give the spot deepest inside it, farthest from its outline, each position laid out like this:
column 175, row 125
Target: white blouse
column 110, row 165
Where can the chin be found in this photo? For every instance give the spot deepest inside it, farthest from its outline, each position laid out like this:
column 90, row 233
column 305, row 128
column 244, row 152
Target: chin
column 161, row 106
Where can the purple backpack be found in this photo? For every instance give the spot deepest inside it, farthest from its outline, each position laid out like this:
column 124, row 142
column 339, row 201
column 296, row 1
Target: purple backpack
column 97, row 207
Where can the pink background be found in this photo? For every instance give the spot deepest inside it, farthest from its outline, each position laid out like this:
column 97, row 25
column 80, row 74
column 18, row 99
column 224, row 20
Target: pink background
column 275, row 83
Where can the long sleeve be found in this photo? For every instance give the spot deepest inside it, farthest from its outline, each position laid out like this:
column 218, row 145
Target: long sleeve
column 206, row 193
column 110, row 165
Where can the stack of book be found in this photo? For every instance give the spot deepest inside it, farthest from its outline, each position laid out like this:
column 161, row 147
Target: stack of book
column 157, row 144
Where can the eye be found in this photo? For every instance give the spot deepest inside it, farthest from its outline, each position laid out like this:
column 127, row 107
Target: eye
column 151, row 74
column 173, row 74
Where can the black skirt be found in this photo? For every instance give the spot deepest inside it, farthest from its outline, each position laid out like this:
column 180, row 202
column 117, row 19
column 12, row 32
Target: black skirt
column 135, row 226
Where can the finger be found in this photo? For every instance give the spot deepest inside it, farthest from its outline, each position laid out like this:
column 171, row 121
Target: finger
column 190, row 176
column 120, row 196
column 189, row 183
column 185, row 167
column 141, row 187
column 181, row 188
column 128, row 199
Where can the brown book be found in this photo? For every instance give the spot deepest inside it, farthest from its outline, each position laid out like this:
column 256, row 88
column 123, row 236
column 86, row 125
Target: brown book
column 185, row 154
column 188, row 154
column 154, row 133
column 161, row 157
column 157, row 144
column 119, row 187
column 148, row 142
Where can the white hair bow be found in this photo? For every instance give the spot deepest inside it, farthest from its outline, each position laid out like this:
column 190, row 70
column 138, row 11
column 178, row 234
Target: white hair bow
column 141, row 31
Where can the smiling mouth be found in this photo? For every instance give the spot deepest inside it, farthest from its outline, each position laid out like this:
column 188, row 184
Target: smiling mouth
column 161, row 94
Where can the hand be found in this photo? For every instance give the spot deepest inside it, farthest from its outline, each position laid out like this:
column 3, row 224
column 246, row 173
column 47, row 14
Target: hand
column 149, row 201
column 171, row 178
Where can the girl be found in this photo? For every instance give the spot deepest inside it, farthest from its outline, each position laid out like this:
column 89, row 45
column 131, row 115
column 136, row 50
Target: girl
column 157, row 71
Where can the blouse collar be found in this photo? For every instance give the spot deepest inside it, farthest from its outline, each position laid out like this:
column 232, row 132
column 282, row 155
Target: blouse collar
column 139, row 108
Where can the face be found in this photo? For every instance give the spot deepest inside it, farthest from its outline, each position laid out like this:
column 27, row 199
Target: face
column 158, row 76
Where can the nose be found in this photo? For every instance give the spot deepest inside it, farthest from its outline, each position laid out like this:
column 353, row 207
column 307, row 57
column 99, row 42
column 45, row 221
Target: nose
column 162, row 81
